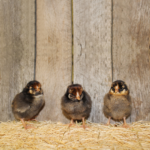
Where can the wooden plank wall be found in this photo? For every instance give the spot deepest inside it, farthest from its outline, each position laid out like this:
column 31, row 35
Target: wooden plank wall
column 111, row 40
column 92, row 50
column 131, row 52
column 17, row 29
column 54, row 55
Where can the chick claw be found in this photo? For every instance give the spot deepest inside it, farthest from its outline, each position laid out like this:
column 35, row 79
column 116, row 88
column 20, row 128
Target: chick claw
column 29, row 127
column 125, row 126
column 84, row 126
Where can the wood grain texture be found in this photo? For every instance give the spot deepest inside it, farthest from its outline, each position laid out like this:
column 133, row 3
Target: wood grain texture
column 54, row 57
column 131, row 52
column 17, row 19
column 92, row 51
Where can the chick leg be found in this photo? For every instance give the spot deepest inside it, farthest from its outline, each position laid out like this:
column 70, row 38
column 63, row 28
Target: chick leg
column 108, row 123
column 83, row 122
column 124, row 123
column 25, row 125
column 71, row 123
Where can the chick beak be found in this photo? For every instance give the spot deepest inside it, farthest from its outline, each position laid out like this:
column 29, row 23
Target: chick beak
column 37, row 89
column 77, row 96
column 116, row 88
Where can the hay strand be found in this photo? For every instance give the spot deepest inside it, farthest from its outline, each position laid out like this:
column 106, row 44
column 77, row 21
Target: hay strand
column 49, row 135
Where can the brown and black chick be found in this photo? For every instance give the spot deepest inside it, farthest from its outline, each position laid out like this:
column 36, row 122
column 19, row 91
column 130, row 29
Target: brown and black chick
column 76, row 104
column 117, row 103
column 28, row 104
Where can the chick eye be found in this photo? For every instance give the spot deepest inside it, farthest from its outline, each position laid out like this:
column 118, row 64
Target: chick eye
column 71, row 96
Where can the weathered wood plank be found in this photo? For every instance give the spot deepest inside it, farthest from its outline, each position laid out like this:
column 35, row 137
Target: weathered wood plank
column 17, row 19
column 92, row 51
column 54, row 57
column 131, row 58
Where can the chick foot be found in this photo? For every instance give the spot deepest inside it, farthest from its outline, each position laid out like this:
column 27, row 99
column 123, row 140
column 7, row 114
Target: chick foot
column 83, row 124
column 26, row 126
column 71, row 123
column 125, row 125
column 108, row 123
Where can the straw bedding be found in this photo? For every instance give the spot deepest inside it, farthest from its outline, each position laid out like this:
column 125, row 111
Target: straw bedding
column 48, row 135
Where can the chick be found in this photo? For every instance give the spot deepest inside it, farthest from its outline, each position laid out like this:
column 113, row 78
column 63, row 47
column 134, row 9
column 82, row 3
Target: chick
column 28, row 104
column 76, row 104
column 117, row 103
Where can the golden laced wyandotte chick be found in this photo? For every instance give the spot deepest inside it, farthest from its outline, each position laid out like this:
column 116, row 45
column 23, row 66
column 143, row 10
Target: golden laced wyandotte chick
column 76, row 104
column 27, row 104
column 117, row 103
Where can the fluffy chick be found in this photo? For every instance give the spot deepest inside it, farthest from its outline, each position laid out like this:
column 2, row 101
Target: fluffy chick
column 117, row 103
column 76, row 104
column 28, row 104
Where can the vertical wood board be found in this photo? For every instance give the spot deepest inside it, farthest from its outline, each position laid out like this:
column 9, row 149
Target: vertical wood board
column 131, row 52
column 17, row 48
column 54, row 54
column 92, row 51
